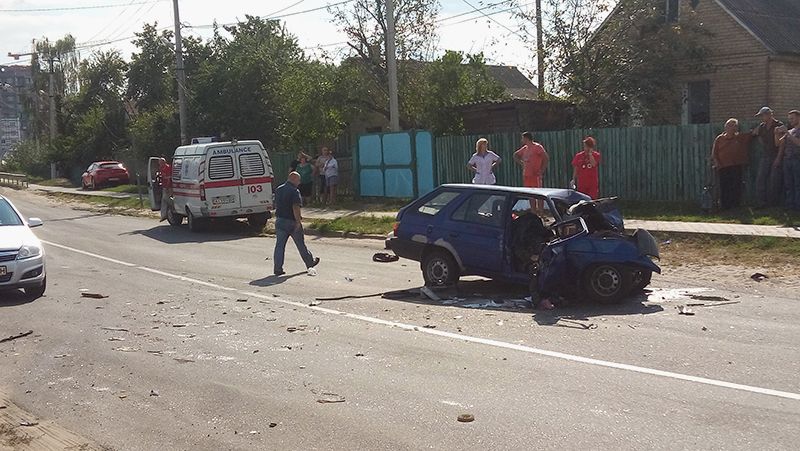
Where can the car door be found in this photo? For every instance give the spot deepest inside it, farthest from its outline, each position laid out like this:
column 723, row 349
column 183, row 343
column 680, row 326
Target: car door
column 154, row 190
column 255, row 189
column 476, row 229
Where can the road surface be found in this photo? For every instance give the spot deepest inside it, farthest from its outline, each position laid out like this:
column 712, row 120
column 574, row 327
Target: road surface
column 197, row 347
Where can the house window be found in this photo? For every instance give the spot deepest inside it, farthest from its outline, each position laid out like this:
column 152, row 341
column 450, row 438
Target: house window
column 697, row 103
column 673, row 11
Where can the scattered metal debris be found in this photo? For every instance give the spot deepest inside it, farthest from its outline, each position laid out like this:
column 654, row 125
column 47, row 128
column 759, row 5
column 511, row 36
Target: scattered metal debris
column 14, row 337
column 28, row 423
column 154, row 393
column 116, row 339
column 115, row 329
column 758, row 277
column 183, row 360
column 330, row 398
column 241, row 300
column 466, row 418
column 314, row 303
column 90, row 295
column 684, row 310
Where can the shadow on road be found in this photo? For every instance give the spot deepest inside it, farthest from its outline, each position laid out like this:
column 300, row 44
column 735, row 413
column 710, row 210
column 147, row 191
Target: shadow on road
column 218, row 231
column 497, row 296
column 275, row 280
column 13, row 298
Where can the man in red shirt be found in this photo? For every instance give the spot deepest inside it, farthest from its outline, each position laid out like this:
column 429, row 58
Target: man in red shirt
column 533, row 159
column 586, row 172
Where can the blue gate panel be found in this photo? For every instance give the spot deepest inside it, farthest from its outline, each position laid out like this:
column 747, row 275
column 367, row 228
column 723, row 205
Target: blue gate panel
column 369, row 150
column 371, row 182
column 397, row 149
column 400, row 183
column 425, row 172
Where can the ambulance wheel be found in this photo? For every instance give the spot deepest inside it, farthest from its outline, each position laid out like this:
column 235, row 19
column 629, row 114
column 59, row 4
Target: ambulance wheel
column 258, row 222
column 173, row 218
column 195, row 224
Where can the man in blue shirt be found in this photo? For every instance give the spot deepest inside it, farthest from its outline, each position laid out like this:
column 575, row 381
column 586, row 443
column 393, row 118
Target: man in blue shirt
column 288, row 223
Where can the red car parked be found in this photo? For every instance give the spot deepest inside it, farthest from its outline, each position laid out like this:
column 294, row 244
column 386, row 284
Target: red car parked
column 102, row 173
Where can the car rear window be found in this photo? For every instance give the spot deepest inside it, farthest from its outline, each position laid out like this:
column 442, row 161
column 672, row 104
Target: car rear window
column 437, row 204
column 111, row 166
column 220, row 167
column 252, row 165
column 8, row 217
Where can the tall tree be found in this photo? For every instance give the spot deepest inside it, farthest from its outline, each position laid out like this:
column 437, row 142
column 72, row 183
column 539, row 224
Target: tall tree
column 364, row 23
column 623, row 66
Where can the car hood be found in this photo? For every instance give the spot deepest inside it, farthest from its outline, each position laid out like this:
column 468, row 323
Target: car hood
column 14, row 237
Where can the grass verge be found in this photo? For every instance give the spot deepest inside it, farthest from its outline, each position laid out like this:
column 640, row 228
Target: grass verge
column 679, row 248
column 689, row 212
column 103, row 202
column 129, row 189
column 362, row 225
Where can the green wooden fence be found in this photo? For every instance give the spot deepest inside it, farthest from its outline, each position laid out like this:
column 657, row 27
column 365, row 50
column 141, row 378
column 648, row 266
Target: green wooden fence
column 664, row 163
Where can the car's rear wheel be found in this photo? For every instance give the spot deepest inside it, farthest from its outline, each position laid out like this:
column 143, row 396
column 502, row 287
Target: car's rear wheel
column 640, row 279
column 439, row 268
column 607, row 284
column 173, row 218
column 258, row 221
column 195, row 224
column 38, row 291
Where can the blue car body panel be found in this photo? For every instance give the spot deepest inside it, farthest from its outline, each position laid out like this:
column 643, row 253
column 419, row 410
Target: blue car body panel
column 484, row 249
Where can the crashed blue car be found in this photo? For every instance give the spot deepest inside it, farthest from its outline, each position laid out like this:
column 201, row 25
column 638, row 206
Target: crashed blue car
column 557, row 241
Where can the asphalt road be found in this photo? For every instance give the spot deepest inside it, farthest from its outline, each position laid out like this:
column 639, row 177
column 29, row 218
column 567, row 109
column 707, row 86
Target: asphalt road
column 197, row 347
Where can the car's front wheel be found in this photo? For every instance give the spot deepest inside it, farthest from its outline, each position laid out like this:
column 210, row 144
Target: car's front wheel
column 606, row 283
column 37, row 291
column 439, row 268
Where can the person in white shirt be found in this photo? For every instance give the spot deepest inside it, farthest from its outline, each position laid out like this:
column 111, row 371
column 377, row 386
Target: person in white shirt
column 331, row 171
column 482, row 163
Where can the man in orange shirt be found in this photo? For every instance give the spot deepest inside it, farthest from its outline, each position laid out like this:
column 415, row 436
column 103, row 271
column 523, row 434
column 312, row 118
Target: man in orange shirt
column 533, row 159
column 729, row 156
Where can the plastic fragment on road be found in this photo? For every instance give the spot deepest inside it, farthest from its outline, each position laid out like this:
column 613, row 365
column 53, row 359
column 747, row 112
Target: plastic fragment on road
column 17, row 336
column 758, row 277
column 87, row 294
column 684, row 310
column 154, row 393
column 330, row 398
column 311, row 272
column 466, row 418
column 349, row 278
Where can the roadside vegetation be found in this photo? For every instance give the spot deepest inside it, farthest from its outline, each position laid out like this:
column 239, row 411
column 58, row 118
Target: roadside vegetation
column 359, row 225
column 690, row 212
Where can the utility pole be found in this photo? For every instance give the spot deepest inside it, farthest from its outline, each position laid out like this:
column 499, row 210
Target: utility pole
column 540, row 49
column 391, row 67
column 180, row 75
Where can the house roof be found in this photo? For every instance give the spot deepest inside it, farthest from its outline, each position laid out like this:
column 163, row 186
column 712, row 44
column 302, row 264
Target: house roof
column 776, row 23
column 516, row 84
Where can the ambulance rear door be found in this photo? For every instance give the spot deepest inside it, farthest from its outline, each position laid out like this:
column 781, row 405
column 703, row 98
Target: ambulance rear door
column 256, row 173
column 222, row 181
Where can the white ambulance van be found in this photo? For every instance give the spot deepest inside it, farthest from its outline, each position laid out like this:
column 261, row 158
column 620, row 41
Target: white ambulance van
column 214, row 180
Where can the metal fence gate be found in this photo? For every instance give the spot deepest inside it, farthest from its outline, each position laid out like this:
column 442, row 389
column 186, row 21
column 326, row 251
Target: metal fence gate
column 397, row 165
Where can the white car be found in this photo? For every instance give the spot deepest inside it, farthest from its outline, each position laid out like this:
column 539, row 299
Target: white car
column 21, row 253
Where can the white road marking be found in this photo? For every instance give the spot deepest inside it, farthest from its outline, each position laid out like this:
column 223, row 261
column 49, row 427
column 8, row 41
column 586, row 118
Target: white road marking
column 454, row 336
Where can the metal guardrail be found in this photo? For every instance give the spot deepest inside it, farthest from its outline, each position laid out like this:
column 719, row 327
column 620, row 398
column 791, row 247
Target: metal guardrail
column 14, row 180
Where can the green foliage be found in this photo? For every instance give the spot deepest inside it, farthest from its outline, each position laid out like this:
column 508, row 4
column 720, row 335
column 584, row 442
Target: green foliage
column 450, row 81
column 623, row 67
column 29, row 157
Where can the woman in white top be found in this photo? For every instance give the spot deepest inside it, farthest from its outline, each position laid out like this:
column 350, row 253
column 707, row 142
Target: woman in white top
column 482, row 163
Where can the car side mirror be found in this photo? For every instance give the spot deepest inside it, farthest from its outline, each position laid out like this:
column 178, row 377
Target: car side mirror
column 35, row 222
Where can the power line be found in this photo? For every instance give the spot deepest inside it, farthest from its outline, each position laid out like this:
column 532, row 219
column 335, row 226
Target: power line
column 493, row 13
column 488, row 16
column 283, row 16
column 108, row 24
column 287, row 8
column 454, row 16
column 78, row 8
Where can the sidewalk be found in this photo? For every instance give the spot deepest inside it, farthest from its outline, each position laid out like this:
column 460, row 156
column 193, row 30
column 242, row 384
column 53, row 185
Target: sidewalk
column 653, row 226
column 80, row 192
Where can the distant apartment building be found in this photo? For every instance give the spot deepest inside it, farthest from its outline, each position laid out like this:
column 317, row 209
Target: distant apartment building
column 15, row 84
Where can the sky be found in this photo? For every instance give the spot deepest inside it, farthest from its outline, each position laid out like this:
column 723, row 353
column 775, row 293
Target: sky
column 460, row 27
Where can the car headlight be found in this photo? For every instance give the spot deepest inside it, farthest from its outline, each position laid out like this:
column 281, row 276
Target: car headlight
column 29, row 251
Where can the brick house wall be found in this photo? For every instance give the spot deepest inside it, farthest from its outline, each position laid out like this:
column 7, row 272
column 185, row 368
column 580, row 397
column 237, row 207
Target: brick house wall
column 742, row 73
